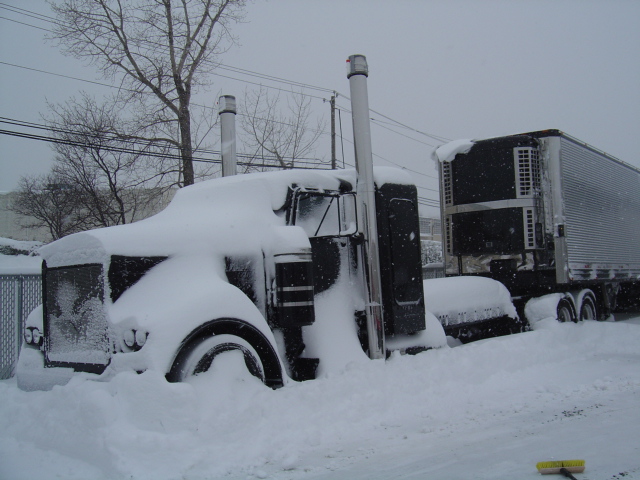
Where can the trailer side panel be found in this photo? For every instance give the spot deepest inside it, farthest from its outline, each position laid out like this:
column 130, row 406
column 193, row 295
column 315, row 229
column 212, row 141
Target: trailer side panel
column 602, row 211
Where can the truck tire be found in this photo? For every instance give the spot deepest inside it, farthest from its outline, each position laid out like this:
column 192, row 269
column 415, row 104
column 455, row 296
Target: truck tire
column 201, row 356
column 588, row 309
column 566, row 311
column 200, row 348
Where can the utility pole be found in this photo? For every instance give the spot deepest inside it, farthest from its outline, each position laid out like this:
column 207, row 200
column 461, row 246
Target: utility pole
column 333, row 131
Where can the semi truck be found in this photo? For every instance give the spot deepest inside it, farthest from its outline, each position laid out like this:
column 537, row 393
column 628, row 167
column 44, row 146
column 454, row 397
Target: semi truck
column 301, row 272
column 554, row 219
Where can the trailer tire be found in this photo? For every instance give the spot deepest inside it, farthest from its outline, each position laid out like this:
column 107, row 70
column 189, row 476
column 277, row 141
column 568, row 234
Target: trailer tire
column 588, row 309
column 566, row 311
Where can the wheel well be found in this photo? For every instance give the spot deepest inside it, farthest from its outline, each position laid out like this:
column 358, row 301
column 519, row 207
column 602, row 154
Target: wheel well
column 239, row 328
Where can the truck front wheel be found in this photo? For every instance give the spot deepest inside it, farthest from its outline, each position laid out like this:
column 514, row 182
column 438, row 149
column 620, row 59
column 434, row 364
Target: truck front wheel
column 201, row 357
column 200, row 348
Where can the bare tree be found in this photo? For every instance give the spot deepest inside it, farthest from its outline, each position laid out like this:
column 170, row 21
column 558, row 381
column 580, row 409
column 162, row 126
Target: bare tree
column 47, row 202
column 110, row 172
column 276, row 132
column 161, row 51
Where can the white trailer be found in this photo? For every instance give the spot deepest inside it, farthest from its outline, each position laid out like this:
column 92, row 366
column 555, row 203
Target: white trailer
column 543, row 213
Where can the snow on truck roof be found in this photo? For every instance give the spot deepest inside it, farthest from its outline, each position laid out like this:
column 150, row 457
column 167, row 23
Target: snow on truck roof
column 229, row 215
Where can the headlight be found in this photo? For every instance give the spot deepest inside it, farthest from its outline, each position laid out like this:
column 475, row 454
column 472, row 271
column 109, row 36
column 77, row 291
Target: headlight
column 37, row 337
column 141, row 338
column 129, row 338
column 28, row 335
column 134, row 339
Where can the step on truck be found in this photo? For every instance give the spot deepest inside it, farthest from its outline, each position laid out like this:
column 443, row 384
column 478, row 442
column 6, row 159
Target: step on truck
column 555, row 220
column 299, row 271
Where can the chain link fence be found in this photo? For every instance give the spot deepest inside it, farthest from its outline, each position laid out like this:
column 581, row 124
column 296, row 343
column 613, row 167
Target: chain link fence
column 19, row 294
column 433, row 270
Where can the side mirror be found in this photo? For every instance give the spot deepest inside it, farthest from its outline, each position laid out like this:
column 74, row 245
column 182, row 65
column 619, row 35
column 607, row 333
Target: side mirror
column 348, row 215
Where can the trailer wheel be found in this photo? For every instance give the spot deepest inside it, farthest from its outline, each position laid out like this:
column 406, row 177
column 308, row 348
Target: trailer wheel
column 566, row 311
column 202, row 356
column 588, row 309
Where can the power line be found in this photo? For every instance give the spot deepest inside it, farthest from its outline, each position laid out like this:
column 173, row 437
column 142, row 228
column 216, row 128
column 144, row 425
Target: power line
column 23, row 23
column 117, row 137
column 397, row 164
column 263, row 76
column 153, row 154
column 430, row 189
column 244, row 71
column 421, row 200
column 207, row 107
column 428, row 202
column 266, row 86
column 377, row 122
column 60, row 75
column 398, row 124
column 237, row 70
column 83, row 143
column 129, row 90
column 28, row 13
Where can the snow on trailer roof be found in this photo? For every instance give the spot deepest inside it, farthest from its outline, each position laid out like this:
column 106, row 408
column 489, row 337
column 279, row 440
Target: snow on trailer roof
column 448, row 151
column 229, row 215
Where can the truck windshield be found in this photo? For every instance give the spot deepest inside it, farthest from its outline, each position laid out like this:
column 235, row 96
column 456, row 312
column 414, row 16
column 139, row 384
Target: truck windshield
column 325, row 214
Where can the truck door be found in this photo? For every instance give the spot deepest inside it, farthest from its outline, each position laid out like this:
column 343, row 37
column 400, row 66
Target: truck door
column 400, row 259
column 329, row 219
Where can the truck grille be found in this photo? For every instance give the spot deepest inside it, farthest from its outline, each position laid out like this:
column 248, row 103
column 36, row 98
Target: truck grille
column 76, row 330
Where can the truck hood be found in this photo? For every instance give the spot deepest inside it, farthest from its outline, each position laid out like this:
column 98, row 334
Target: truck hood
column 230, row 215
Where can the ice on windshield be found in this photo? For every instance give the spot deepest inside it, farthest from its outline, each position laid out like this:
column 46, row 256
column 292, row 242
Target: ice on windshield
column 322, row 215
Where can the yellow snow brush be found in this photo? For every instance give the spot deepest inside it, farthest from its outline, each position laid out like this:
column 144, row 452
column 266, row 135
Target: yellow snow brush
column 564, row 467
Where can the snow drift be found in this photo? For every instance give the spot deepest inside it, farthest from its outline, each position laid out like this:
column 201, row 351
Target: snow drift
column 561, row 391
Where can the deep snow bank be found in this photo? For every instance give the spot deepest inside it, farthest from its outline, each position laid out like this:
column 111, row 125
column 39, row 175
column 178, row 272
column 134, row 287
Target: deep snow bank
column 19, row 258
column 373, row 416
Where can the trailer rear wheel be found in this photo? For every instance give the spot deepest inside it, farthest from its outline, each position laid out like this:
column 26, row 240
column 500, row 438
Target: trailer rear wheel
column 566, row 311
column 588, row 309
column 202, row 356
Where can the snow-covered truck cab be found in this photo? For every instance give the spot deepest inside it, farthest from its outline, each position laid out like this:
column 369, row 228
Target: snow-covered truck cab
column 329, row 218
column 231, row 264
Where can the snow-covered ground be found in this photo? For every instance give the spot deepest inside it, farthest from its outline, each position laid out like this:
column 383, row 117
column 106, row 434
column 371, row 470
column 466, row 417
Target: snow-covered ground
column 486, row 410
column 17, row 257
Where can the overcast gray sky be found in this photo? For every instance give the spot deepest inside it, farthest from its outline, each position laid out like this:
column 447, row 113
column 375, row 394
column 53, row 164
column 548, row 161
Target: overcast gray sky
column 451, row 68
